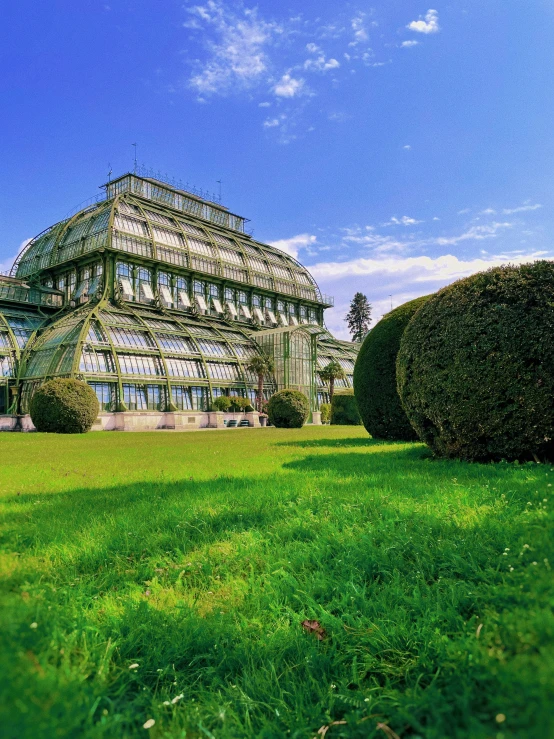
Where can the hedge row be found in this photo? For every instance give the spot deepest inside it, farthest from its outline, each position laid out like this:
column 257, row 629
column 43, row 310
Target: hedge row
column 469, row 369
column 375, row 376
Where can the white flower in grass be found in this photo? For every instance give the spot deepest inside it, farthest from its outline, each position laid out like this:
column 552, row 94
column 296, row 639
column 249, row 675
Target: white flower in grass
column 166, row 703
column 133, row 666
column 34, row 625
column 149, row 724
column 178, row 698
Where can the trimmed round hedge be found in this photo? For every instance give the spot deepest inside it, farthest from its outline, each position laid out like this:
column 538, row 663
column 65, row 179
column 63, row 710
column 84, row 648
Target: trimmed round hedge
column 344, row 409
column 64, row 406
column 476, row 366
column 375, row 376
column 288, row 409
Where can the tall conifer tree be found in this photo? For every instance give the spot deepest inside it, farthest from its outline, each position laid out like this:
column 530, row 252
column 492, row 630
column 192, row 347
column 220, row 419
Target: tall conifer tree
column 358, row 317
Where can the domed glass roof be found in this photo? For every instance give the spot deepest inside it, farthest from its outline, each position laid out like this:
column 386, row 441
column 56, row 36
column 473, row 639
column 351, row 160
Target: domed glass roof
column 158, row 299
column 137, row 219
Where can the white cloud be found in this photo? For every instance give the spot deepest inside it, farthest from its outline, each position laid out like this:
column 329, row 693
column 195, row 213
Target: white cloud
column 521, row 208
column 264, row 105
column 271, row 122
column 292, row 245
column 475, row 233
column 408, row 44
column 289, row 87
column 488, row 212
column 429, row 25
column 407, row 147
column 313, row 48
column 463, row 211
column 404, row 221
column 358, row 26
column 404, row 278
column 321, row 64
column 237, row 58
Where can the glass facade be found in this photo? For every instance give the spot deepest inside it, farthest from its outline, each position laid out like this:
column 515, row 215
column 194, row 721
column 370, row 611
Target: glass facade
column 164, row 300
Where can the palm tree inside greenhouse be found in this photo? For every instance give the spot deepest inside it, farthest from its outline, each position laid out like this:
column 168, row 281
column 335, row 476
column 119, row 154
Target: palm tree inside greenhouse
column 261, row 365
column 331, row 372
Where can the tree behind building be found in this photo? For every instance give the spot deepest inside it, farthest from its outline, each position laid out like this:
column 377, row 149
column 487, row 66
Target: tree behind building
column 358, row 317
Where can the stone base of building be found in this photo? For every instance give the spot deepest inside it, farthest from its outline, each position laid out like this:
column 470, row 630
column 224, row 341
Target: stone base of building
column 148, row 421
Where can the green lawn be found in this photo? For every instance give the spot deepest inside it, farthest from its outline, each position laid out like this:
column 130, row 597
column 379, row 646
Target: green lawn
column 166, row 576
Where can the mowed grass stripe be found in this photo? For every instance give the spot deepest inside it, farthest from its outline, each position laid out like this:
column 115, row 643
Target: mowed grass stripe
column 197, row 556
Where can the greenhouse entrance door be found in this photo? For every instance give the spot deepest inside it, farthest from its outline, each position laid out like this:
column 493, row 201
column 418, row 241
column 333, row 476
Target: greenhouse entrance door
column 294, row 351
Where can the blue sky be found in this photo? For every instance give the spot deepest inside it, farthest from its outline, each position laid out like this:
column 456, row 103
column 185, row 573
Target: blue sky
column 391, row 146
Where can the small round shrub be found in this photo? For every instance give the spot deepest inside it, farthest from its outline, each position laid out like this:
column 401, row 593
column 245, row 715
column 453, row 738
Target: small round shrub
column 325, row 409
column 476, row 366
column 64, row 406
column 344, row 409
column 288, row 409
column 221, row 403
column 375, row 376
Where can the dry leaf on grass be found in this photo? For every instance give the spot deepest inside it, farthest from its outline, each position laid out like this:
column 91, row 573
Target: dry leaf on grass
column 314, row 627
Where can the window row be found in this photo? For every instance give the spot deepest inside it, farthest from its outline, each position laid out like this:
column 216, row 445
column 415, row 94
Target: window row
column 178, row 292
column 149, row 397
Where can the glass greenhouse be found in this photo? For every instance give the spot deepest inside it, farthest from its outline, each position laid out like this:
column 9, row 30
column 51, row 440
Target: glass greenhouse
column 158, row 298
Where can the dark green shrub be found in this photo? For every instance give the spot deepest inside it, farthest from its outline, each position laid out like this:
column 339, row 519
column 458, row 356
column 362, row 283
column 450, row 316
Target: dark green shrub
column 375, row 376
column 344, row 409
column 476, row 366
column 288, row 409
column 64, row 406
column 325, row 409
column 221, row 403
column 238, row 403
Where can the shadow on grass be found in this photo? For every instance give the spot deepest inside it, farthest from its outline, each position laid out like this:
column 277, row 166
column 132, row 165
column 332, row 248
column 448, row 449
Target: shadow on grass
column 387, row 580
column 332, row 443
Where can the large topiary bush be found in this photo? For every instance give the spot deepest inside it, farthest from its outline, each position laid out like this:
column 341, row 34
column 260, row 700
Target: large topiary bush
column 64, row 406
column 288, row 409
column 344, row 409
column 476, row 366
column 375, row 376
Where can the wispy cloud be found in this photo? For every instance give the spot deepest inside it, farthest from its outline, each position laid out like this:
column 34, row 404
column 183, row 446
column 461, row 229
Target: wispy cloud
column 237, row 55
column 475, row 233
column 294, row 244
column 319, row 63
column 418, row 269
column 396, row 279
column 409, row 44
column 521, row 208
column 359, row 29
column 404, row 221
column 429, row 24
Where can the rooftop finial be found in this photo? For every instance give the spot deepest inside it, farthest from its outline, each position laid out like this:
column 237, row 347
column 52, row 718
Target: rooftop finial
column 135, row 169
